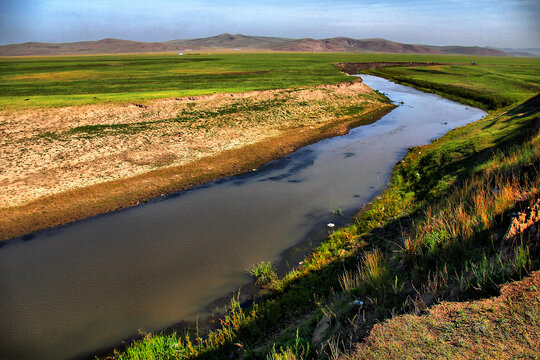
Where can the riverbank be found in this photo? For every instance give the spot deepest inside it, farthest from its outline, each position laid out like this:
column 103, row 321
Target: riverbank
column 436, row 233
column 152, row 265
column 79, row 162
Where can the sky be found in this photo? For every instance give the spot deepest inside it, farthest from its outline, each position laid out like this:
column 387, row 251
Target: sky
column 498, row 23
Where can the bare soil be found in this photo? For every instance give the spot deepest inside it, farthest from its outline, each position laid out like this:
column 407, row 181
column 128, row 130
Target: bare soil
column 63, row 164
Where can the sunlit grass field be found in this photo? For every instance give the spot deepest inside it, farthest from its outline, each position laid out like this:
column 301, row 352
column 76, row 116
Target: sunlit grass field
column 488, row 85
column 73, row 80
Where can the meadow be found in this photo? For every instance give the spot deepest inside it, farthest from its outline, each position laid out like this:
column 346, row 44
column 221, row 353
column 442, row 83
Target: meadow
column 488, row 85
column 436, row 233
column 75, row 80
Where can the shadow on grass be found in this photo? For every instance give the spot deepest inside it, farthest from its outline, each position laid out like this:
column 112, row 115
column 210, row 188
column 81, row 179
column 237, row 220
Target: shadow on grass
column 528, row 108
column 461, row 161
column 298, row 297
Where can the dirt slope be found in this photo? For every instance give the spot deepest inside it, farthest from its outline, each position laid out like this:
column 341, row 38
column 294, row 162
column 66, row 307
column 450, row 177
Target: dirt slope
column 503, row 327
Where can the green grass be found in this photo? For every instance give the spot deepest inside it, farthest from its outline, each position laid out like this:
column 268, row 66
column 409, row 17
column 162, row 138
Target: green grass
column 489, row 85
column 252, row 110
column 434, row 234
column 263, row 273
column 74, row 80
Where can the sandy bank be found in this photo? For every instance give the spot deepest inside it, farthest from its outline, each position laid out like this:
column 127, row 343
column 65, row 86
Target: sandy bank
column 61, row 165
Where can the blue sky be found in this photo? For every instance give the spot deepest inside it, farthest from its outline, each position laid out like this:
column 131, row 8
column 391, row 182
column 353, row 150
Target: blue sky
column 501, row 23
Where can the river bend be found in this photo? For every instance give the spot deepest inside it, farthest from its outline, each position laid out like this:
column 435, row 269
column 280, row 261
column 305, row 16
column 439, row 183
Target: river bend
column 73, row 290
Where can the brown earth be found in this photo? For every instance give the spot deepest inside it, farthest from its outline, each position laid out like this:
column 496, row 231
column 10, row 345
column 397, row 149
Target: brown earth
column 503, row 327
column 63, row 164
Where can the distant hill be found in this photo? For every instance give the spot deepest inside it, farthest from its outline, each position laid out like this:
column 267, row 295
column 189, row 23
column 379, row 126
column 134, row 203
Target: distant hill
column 238, row 41
column 229, row 41
column 380, row 45
column 105, row 46
column 520, row 52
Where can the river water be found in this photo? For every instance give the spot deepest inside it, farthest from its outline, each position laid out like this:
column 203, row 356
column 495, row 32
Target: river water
column 73, row 290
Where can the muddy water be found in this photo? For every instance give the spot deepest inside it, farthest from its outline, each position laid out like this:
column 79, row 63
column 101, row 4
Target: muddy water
column 71, row 291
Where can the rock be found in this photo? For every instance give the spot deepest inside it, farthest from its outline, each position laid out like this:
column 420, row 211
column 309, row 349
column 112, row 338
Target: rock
column 321, row 329
column 524, row 224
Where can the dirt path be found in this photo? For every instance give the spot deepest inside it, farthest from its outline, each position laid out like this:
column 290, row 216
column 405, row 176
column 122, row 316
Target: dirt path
column 60, row 165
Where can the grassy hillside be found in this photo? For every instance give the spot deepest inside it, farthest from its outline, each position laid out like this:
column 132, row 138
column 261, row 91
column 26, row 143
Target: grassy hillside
column 73, row 80
column 438, row 232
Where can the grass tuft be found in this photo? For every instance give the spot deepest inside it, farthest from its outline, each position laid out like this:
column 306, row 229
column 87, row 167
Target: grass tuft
column 263, row 273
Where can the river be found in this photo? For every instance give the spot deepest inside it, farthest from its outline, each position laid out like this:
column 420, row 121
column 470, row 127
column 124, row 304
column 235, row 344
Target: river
column 73, row 290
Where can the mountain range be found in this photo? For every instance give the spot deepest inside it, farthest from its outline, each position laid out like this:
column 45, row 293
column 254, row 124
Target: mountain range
column 520, row 52
column 240, row 42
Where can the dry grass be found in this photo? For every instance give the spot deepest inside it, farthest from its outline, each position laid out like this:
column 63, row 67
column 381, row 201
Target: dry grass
column 504, row 327
column 60, row 75
column 372, row 273
column 479, row 205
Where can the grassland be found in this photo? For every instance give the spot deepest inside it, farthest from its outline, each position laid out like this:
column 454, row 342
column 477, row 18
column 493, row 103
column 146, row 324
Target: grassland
column 105, row 119
column 494, row 85
column 437, row 233
column 76, row 80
